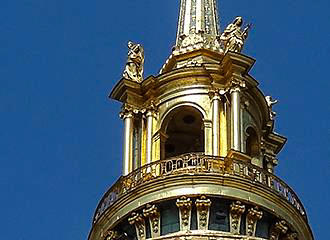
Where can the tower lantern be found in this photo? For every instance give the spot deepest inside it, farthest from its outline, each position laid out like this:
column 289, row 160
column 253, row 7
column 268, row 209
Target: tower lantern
column 199, row 151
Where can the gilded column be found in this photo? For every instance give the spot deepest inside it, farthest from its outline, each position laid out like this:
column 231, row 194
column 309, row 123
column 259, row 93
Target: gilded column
column 235, row 95
column 216, row 101
column 127, row 116
column 235, row 118
column 150, row 119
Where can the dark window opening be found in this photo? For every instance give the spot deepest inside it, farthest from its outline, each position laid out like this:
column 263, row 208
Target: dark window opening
column 219, row 215
column 185, row 132
column 169, row 218
column 252, row 143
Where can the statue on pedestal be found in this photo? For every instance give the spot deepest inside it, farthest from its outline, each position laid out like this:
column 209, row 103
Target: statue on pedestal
column 135, row 61
column 233, row 37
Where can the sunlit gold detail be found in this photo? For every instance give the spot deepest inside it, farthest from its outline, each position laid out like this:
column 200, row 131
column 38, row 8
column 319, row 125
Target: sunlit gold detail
column 233, row 37
column 135, row 61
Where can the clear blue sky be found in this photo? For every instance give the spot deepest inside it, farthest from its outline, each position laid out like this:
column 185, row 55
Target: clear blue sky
column 60, row 137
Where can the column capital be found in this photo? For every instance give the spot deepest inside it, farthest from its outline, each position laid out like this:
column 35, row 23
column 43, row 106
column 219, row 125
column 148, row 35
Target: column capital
column 236, row 85
column 128, row 111
column 216, row 93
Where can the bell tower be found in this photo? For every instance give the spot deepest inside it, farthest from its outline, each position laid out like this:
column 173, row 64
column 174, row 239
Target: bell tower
column 200, row 150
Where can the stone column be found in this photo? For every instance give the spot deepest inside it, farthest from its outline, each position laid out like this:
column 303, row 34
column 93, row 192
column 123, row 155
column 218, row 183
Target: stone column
column 203, row 212
column 253, row 216
column 127, row 116
column 152, row 213
column 140, row 226
column 184, row 204
column 150, row 118
column 236, row 211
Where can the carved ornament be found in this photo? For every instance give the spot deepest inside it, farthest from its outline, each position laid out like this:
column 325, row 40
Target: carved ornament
column 236, row 211
column 138, row 221
column 153, row 214
column 203, row 212
column 184, row 204
column 253, row 216
column 278, row 229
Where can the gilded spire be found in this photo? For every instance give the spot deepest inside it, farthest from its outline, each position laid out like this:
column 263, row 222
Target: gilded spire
column 198, row 25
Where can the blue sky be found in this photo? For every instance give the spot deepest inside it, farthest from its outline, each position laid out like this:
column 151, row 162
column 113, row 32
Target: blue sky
column 60, row 137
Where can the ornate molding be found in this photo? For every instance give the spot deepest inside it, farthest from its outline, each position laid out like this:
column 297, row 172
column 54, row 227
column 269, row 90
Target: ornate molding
column 138, row 221
column 252, row 217
column 203, row 212
column 278, row 229
column 184, row 204
column 236, row 211
column 152, row 213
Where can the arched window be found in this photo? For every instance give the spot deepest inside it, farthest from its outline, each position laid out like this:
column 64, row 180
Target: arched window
column 184, row 129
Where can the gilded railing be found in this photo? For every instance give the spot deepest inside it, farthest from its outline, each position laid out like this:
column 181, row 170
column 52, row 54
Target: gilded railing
column 197, row 164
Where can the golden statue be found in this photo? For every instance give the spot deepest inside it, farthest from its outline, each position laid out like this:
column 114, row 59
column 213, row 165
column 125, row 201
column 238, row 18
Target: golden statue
column 233, row 37
column 135, row 61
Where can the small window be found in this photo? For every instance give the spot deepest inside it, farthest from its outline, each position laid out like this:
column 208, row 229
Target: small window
column 169, row 218
column 219, row 215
